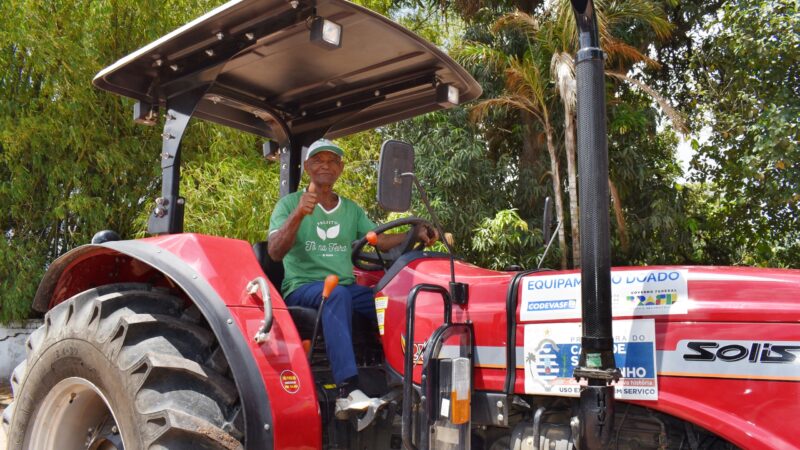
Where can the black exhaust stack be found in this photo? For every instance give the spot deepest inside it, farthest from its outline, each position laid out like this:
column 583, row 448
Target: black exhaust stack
column 596, row 416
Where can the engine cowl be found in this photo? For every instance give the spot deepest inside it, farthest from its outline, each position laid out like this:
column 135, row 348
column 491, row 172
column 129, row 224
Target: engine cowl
column 734, row 338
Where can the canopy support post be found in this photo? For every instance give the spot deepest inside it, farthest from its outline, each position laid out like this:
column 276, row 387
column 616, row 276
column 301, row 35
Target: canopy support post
column 167, row 216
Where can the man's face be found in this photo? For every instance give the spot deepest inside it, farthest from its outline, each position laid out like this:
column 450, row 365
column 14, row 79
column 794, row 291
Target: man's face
column 324, row 168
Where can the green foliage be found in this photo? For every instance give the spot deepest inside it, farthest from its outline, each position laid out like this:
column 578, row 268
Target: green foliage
column 71, row 160
column 20, row 272
column 522, row 47
column 464, row 185
column 229, row 188
column 644, row 169
column 748, row 77
column 506, row 240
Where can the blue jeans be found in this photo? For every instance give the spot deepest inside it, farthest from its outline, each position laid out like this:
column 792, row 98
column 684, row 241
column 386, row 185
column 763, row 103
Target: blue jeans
column 337, row 318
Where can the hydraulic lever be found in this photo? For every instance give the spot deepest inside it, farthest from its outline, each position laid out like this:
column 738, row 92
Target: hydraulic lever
column 331, row 281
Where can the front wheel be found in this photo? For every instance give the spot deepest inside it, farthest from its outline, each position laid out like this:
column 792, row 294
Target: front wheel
column 123, row 366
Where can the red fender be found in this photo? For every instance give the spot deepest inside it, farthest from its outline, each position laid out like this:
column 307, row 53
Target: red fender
column 274, row 379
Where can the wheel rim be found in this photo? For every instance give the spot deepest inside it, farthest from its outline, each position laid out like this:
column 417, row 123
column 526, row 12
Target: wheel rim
column 75, row 414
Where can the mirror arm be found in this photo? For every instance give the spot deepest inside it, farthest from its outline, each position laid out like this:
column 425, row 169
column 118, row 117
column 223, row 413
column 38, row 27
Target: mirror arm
column 458, row 291
column 552, row 238
column 424, row 197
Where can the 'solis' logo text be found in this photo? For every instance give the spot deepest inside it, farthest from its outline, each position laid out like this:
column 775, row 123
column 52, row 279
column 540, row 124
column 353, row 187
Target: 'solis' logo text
column 754, row 352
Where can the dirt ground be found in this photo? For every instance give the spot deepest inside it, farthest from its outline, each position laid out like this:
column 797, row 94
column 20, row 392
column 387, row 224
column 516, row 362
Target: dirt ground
column 5, row 399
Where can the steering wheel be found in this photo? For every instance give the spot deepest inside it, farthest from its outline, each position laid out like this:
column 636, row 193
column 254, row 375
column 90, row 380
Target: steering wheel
column 382, row 260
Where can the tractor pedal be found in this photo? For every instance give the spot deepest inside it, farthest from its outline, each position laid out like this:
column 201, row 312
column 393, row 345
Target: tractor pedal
column 375, row 407
column 355, row 402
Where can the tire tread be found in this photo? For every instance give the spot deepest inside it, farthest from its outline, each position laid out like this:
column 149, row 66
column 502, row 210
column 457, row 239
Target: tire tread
column 171, row 364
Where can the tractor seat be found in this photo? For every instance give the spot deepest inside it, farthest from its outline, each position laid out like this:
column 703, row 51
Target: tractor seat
column 303, row 317
column 272, row 269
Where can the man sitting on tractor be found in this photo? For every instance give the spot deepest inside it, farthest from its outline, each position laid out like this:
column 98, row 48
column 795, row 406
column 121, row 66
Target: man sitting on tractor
column 311, row 231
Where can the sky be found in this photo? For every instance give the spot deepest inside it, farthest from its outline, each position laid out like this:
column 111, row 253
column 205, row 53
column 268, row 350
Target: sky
column 686, row 152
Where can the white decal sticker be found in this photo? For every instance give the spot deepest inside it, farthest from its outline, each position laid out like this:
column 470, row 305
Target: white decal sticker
column 380, row 310
column 712, row 358
column 633, row 293
column 445, row 407
column 552, row 352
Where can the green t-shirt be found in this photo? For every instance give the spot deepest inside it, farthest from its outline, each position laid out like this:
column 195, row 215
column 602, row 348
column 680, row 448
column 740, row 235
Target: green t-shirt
column 322, row 246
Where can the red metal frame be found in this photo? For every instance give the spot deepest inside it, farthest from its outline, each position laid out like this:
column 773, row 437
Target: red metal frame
column 726, row 304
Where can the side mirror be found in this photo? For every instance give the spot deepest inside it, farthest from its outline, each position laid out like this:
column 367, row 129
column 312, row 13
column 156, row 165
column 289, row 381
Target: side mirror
column 547, row 222
column 394, row 190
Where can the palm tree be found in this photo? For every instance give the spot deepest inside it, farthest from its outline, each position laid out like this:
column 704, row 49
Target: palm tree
column 559, row 37
column 562, row 69
column 526, row 90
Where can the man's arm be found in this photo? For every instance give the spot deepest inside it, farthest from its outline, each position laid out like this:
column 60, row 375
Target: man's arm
column 387, row 242
column 281, row 241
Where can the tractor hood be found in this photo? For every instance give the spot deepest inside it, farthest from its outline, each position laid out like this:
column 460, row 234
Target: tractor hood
column 262, row 73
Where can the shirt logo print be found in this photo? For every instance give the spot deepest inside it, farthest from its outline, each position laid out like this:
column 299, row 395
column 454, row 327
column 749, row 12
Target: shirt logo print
column 330, row 233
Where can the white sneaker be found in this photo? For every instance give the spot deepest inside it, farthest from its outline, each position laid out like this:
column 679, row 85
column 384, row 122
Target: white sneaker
column 356, row 401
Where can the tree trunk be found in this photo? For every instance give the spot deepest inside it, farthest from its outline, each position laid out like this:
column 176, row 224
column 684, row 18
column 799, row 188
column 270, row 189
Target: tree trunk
column 531, row 146
column 622, row 227
column 556, row 177
column 574, row 214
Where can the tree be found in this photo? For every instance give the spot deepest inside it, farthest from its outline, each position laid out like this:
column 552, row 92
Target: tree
column 556, row 38
column 560, row 38
column 526, row 90
column 646, row 175
column 66, row 145
column 747, row 78
column 506, row 240
column 72, row 162
column 464, row 185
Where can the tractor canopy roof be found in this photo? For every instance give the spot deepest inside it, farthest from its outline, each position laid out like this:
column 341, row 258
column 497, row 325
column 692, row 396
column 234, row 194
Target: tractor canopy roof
column 260, row 70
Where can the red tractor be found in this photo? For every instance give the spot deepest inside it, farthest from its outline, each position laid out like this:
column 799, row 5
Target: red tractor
column 183, row 341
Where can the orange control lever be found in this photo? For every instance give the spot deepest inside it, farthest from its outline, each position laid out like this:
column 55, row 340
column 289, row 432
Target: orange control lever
column 331, row 281
column 372, row 238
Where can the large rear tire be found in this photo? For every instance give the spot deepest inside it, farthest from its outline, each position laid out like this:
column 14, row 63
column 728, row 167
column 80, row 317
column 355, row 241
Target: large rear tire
column 123, row 366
